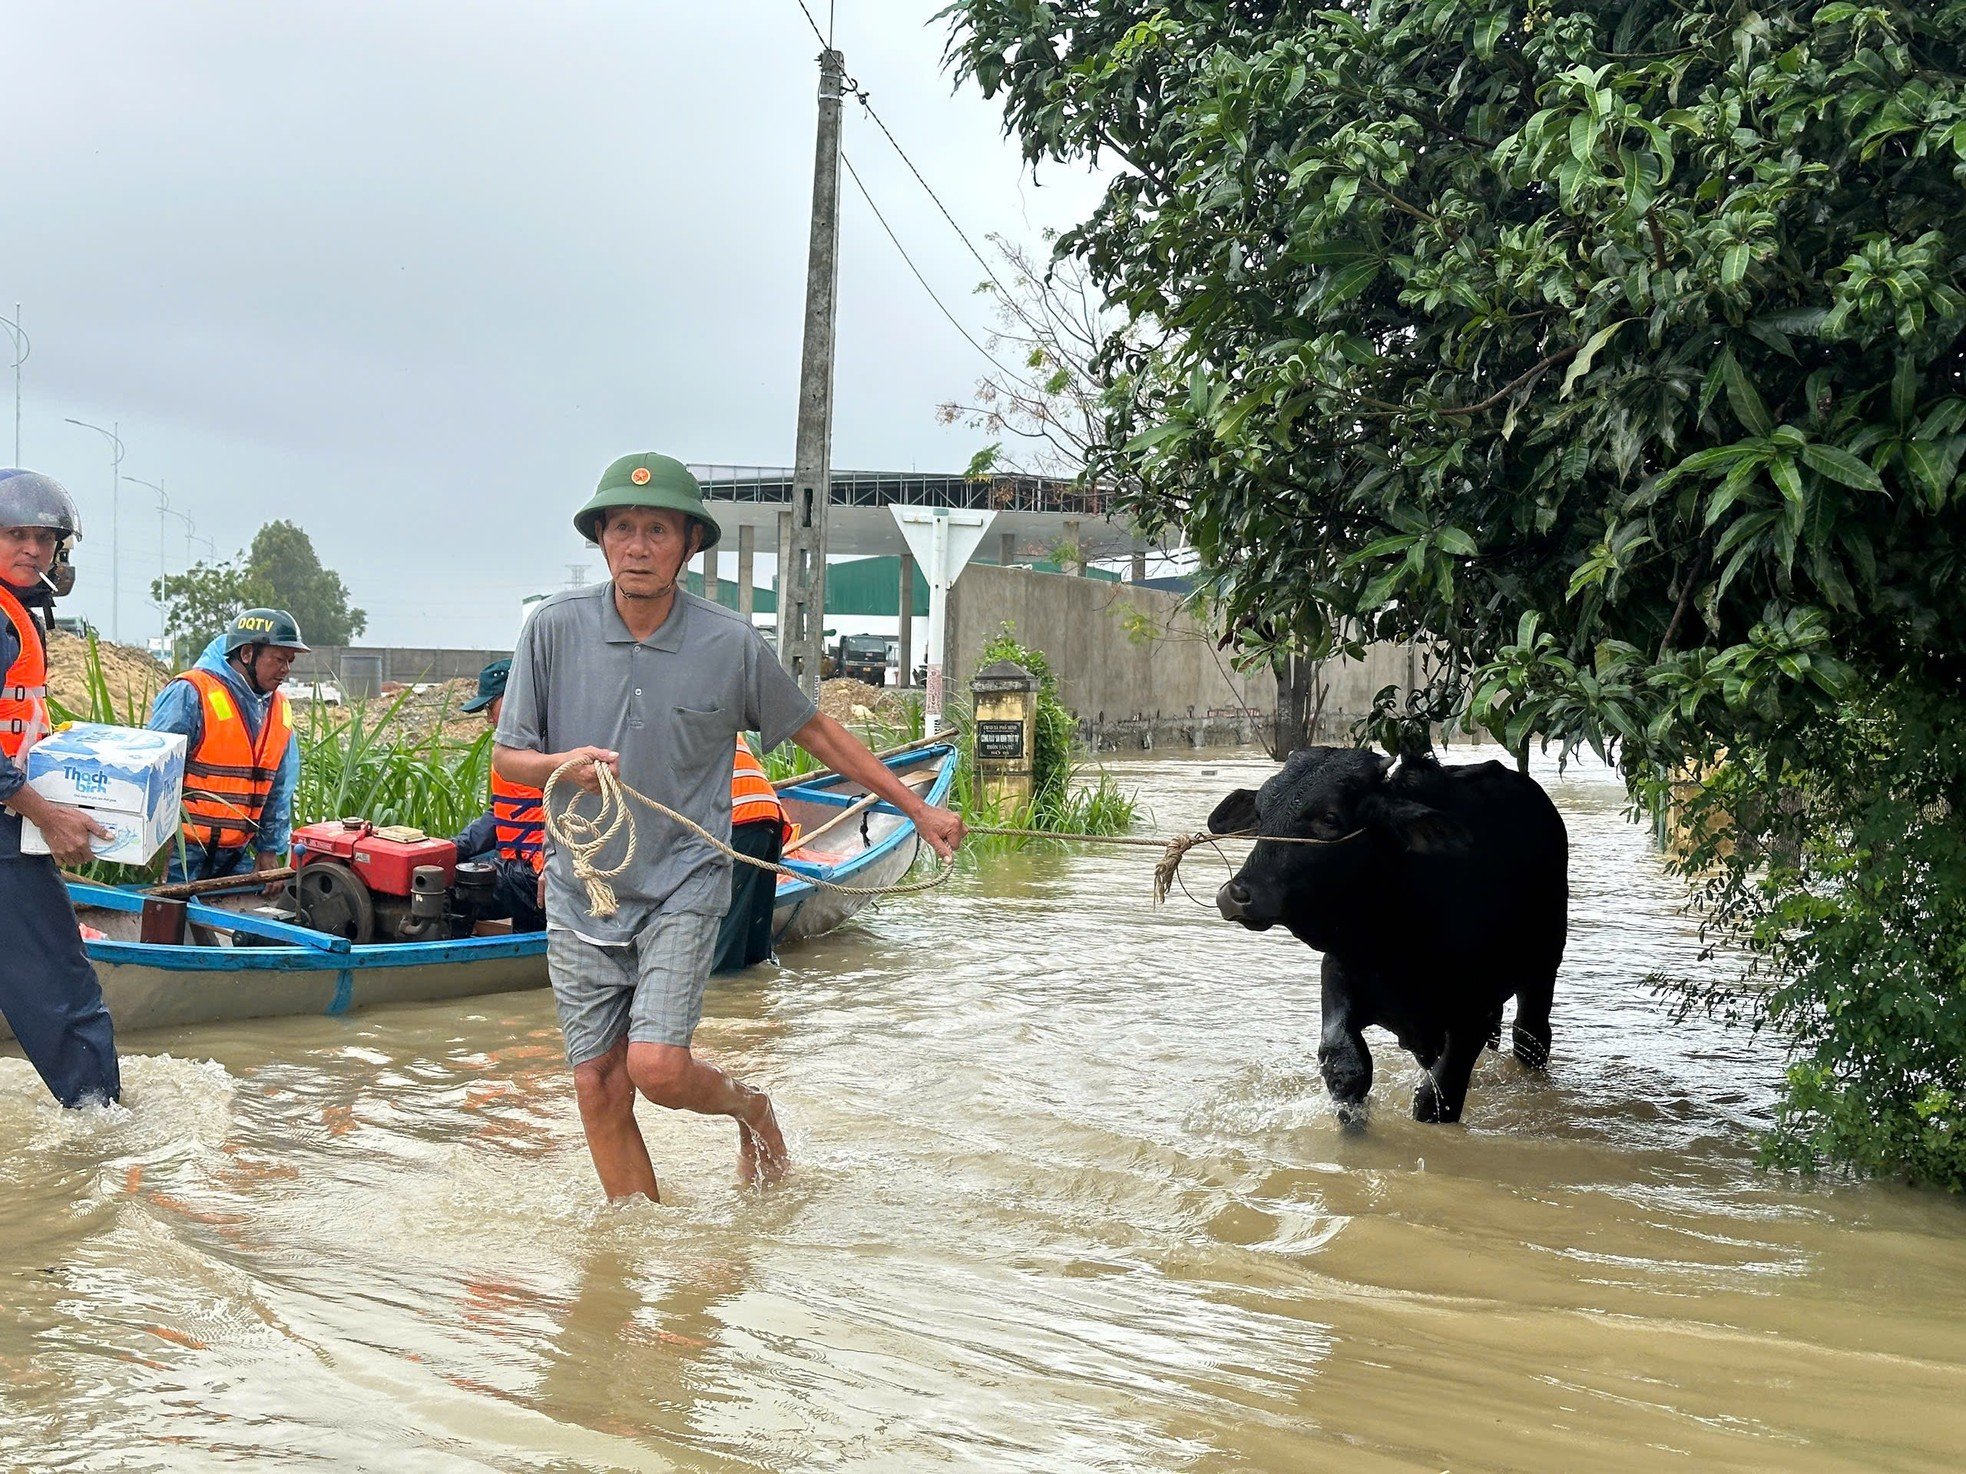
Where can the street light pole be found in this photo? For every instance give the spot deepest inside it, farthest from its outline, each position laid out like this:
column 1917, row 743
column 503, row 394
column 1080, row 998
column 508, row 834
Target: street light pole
column 22, row 347
column 164, row 509
column 115, row 545
column 190, row 531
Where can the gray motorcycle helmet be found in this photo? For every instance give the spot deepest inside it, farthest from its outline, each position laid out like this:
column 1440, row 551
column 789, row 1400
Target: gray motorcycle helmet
column 29, row 499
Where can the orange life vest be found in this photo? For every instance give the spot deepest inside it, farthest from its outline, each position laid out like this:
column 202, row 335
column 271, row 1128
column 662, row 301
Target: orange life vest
column 24, row 684
column 227, row 776
column 519, row 822
column 752, row 798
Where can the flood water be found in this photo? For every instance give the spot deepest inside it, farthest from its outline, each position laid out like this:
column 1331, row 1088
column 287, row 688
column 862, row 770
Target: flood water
column 1069, row 1196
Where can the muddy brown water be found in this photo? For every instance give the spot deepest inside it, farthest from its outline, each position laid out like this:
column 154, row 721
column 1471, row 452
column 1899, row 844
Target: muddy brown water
column 1069, row 1196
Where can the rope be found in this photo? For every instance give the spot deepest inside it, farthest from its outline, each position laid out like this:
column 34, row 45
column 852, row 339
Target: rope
column 584, row 836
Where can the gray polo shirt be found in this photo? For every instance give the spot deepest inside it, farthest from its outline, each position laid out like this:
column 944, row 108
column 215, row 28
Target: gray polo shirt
column 672, row 706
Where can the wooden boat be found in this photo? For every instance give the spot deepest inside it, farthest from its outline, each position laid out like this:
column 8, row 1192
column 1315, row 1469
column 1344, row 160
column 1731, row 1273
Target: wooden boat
column 279, row 969
column 848, row 836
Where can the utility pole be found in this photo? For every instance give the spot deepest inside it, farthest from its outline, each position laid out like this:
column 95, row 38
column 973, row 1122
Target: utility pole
column 22, row 347
column 802, row 586
column 164, row 509
column 115, row 543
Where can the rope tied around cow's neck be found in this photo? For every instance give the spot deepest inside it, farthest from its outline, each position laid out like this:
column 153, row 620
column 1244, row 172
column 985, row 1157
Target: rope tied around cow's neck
column 584, row 836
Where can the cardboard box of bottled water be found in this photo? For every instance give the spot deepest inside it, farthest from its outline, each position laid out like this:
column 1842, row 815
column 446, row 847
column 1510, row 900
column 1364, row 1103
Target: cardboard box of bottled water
column 129, row 779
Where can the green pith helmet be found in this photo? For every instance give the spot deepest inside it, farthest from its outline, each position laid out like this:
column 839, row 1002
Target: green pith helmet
column 646, row 480
column 263, row 627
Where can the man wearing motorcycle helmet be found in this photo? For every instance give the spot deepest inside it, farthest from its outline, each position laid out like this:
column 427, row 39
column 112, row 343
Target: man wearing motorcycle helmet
column 48, row 991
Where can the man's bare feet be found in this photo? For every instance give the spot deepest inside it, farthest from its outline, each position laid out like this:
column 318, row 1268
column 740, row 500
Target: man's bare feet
column 761, row 1157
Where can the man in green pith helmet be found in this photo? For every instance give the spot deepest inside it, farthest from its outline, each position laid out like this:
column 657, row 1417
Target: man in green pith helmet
column 642, row 677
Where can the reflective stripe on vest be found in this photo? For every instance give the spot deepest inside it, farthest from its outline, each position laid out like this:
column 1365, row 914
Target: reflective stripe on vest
column 752, row 798
column 24, row 694
column 519, row 822
column 228, row 776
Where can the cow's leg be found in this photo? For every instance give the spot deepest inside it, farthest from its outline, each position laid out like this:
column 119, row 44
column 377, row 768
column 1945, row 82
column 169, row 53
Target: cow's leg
column 1532, row 1021
column 1341, row 1053
column 1445, row 1090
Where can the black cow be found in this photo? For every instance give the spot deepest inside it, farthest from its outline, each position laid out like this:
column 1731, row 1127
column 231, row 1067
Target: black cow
column 1434, row 894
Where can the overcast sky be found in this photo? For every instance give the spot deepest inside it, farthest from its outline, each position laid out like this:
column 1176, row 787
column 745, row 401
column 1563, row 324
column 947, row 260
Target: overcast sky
column 412, row 273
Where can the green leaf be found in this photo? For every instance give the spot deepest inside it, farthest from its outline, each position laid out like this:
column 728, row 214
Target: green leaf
column 1904, row 390
column 1348, row 282
column 1399, row 542
column 1746, row 402
column 1581, row 364
column 1734, row 265
column 1147, row 439
column 1933, row 467
column 1453, row 540
column 1335, row 253
column 1840, row 465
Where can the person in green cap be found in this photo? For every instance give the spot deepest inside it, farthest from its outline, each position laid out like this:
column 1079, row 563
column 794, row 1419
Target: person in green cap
column 638, row 675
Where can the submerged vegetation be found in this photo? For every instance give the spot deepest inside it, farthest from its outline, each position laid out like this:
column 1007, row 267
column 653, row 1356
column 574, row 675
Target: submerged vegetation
column 356, row 760
column 1070, row 795
column 350, row 763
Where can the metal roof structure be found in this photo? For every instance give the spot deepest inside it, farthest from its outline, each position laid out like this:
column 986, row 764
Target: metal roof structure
column 1033, row 510
column 861, row 586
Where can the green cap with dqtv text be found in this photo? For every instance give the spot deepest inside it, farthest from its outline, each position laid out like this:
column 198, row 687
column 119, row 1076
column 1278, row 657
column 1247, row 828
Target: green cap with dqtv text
column 646, row 480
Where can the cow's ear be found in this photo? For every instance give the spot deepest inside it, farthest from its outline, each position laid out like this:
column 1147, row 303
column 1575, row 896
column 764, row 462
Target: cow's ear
column 1420, row 829
column 1235, row 814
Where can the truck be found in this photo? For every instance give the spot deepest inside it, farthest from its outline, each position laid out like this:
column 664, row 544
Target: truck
column 857, row 657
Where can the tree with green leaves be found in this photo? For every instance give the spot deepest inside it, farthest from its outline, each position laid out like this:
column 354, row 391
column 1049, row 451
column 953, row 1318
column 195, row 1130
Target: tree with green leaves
column 1613, row 350
column 200, row 602
column 281, row 570
column 289, row 576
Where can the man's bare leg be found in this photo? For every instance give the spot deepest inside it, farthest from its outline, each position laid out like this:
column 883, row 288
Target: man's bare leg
column 669, row 1075
column 606, row 1096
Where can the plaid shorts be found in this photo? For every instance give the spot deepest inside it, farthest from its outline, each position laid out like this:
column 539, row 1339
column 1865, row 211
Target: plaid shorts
column 650, row 989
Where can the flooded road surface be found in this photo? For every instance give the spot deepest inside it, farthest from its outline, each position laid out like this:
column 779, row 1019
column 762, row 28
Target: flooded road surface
column 1069, row 1197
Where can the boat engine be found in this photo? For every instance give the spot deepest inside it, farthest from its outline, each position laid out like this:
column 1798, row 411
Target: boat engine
column 394, row 884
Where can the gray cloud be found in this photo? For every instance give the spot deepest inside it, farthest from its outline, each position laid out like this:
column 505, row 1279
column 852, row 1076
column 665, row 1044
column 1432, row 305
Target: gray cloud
column 411, row 274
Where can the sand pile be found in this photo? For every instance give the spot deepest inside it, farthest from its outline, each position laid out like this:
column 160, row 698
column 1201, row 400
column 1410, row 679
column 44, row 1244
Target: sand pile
column 133, row 676
column 415, row 715
column 855, row 703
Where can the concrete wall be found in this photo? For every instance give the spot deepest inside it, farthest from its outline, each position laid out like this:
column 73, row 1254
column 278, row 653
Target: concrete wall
column 359, row 670
column 1134, row 664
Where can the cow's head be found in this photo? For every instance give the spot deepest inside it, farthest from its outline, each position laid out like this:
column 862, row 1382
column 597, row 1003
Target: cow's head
column 1342, row 798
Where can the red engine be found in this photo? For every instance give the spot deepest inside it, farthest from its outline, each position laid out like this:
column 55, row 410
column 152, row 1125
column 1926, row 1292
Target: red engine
column 385, row 859
column 394, row 884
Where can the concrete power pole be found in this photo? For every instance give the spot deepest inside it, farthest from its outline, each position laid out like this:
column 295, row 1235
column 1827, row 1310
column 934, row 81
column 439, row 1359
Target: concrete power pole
column 802, row 585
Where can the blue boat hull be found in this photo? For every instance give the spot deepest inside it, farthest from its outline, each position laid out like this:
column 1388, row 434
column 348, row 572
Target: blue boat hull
column 149, row 986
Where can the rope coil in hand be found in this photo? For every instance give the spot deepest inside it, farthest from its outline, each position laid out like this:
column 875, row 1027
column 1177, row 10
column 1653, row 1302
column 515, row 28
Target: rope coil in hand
column 584, row 836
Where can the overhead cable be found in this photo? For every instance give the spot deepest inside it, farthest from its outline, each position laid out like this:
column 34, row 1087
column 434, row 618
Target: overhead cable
column 1003, row 368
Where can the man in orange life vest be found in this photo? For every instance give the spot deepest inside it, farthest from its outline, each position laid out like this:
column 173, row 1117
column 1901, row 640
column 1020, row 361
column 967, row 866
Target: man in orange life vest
column 48, row 990
column 758, row 828
column 512, row 832
column 243, row 760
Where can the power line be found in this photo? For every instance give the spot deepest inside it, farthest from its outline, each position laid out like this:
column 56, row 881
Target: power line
column 852, row 85
column 854, row 174
column 1003, row 292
